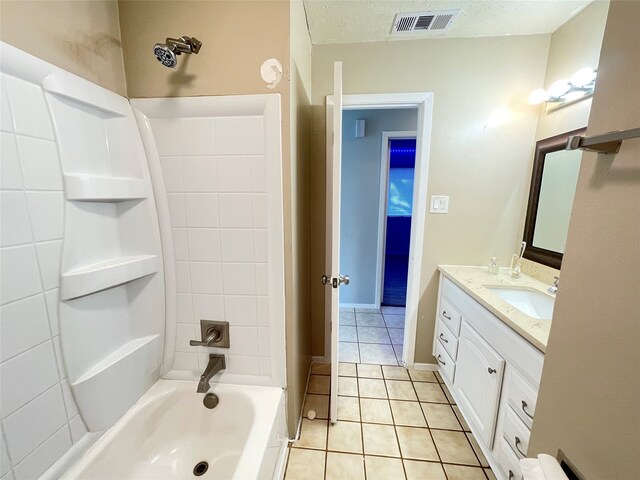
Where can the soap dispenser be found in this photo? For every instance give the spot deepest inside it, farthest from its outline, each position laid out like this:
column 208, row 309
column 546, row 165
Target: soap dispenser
column 492, row 269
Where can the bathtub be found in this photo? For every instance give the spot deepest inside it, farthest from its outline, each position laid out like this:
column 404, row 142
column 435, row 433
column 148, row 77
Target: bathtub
column 169, row 431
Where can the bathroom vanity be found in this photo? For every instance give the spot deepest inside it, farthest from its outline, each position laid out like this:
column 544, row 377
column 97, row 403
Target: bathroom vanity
column 490, row 355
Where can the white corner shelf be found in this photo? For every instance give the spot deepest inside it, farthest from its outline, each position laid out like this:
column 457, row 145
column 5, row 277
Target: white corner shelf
column 121, row 353
column 86, row 93
column 107, row 274
column 132, row 368
column 94, row 188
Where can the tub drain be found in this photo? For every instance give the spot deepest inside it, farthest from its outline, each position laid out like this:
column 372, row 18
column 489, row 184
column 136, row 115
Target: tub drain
column 200, row 469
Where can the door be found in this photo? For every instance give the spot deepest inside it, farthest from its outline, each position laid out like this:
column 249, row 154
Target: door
column 332, row 278
column 478, row 380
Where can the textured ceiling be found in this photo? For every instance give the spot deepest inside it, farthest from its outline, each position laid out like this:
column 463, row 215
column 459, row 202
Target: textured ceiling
column 351, row 21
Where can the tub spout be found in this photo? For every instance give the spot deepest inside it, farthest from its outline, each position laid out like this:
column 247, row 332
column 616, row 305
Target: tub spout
column 216, row 363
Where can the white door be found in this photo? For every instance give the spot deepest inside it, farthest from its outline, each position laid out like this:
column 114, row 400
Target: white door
column 332, row 278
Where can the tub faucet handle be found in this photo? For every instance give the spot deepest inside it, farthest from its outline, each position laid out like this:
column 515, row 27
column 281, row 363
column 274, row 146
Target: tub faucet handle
column 212, row 334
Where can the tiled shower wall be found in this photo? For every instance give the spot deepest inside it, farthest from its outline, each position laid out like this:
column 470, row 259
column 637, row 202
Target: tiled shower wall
column 40, row 420
column 215, row 175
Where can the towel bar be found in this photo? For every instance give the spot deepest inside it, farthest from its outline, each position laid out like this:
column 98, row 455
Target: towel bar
column 605, row 143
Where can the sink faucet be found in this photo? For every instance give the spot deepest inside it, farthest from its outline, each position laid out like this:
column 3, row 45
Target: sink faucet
column 216, row 363
column 554, row 287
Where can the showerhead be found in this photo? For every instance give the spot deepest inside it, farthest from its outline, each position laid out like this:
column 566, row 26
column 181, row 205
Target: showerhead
column 167, row 52
column 165, row 55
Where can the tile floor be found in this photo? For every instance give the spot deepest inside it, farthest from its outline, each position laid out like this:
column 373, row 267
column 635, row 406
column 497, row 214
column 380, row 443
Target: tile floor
column 372, row 336
column 394, row 424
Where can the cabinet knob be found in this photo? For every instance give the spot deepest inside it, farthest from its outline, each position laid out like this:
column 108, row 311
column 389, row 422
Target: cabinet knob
column 444, row 314
column 444, row 339
column 491, row 370
column 440, row 360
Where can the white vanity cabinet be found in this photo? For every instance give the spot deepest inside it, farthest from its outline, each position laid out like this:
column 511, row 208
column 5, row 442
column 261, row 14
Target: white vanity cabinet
column 493, row 374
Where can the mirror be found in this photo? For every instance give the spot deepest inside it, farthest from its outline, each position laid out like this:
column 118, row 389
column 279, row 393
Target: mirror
column 553, row 186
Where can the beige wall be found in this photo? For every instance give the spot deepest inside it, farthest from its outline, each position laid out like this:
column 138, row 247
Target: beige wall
column 237, row 36
column 588, row 401
column 298, row 327
column 482, row 141
column 82, row 37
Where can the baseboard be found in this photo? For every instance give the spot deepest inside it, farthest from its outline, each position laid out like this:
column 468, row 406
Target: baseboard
column 320, row 360
column 359, row 305
column 432, row 367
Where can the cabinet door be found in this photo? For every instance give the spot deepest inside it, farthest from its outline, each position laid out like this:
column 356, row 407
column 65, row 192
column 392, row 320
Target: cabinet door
column 478, row 380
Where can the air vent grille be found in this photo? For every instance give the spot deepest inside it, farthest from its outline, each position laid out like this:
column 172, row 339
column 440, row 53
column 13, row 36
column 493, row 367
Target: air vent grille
column 420, row 22
column 405, row 24
column 423, row 22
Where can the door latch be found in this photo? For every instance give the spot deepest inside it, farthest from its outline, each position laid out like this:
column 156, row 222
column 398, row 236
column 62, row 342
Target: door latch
column 335, row 282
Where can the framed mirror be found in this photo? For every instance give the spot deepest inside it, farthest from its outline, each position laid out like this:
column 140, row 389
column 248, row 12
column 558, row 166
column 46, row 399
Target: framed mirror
column 553, row 186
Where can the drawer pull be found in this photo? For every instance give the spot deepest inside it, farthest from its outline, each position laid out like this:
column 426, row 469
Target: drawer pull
column 518, row 447
column 440, row 360
column 511, row 475
column 444, row 314
column 491, row 370
column 524, row 409
column 443, row 339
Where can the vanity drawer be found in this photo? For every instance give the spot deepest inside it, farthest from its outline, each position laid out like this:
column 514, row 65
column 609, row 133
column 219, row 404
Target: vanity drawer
column 516, row 433
column 522, row 397
column 450, row 316
column 508, row 461
column 448, row 340
column 447, row 365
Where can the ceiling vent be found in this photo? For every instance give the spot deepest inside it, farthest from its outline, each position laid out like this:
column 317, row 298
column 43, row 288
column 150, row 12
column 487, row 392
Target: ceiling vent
column 419, row 22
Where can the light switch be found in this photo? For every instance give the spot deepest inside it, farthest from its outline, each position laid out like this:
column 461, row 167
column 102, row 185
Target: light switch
column 439, row 204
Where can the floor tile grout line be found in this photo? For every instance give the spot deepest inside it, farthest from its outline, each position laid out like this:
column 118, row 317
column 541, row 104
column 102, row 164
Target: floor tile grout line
column 391, row 457
column 364, row 465
column 326, row 443
column 461, row 426
column 395, row 428
column 430, row 434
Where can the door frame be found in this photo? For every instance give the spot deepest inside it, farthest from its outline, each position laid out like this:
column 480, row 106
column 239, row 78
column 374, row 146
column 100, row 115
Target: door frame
column 423, row 101
column 384, row 196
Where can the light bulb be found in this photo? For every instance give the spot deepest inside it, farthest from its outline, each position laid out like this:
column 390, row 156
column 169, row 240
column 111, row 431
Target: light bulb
column 559, row 88
column 538, row 96
column 583, row 77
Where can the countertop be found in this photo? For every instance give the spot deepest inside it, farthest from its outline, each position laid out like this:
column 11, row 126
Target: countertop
column 473, row 281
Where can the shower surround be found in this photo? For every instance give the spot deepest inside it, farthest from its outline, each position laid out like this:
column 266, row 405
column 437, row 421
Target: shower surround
column 111, row 254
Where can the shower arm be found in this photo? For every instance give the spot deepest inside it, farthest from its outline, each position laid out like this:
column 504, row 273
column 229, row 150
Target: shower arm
column 183, row 45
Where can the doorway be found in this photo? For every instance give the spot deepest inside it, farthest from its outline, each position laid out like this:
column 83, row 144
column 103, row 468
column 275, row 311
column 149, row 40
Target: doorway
column 369, row 326
column 367, row 334
column 398, row 171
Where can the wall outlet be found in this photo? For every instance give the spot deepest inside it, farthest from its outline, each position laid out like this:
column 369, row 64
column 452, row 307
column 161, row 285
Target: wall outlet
column 439, row 204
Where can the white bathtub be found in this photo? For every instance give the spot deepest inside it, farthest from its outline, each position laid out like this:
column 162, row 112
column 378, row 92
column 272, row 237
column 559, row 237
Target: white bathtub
column 168, row 431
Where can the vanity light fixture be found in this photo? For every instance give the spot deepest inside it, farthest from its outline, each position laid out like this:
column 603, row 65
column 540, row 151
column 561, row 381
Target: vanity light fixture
column 565, row 92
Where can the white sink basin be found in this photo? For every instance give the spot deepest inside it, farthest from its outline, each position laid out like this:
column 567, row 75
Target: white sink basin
column 530, row 302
